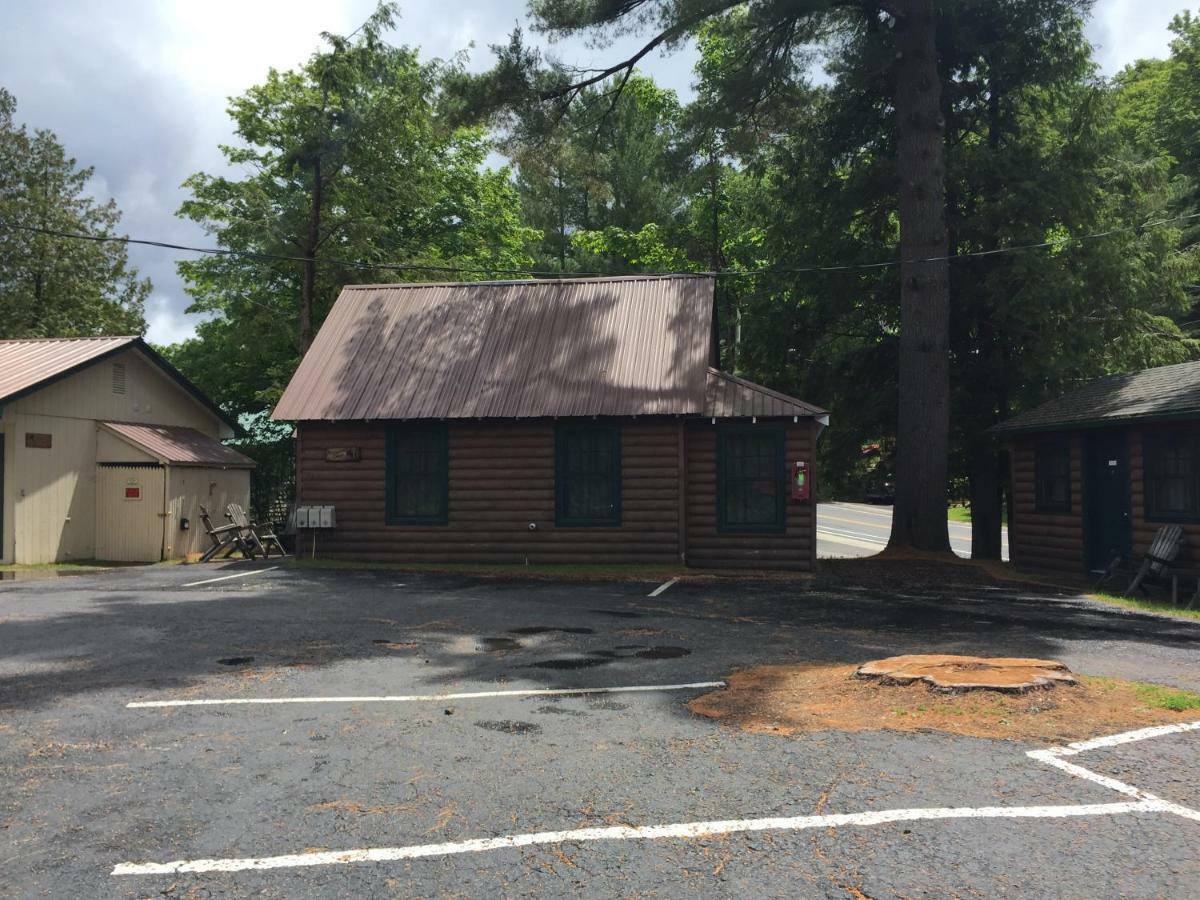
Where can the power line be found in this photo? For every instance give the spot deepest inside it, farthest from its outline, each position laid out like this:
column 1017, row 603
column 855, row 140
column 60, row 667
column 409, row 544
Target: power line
column 725, row 273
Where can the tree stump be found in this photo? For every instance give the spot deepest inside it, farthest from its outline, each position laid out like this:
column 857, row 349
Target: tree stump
column 969, row 673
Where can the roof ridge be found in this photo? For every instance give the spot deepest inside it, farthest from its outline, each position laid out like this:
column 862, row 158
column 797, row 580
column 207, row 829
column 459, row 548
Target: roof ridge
column 93, row 337
column 540, row 282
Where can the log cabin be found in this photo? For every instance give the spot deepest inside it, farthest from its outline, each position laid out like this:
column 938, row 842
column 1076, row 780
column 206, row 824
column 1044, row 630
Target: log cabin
column 1097, row 471
column 576, row 421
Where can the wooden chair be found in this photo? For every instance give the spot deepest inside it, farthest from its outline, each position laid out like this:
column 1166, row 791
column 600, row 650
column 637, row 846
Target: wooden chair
column 1163, row 552
column 225, row 539
column 258, row 537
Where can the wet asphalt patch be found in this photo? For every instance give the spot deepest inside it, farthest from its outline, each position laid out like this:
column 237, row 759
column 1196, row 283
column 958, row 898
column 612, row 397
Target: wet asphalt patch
column 507, row 726
column 236, row 661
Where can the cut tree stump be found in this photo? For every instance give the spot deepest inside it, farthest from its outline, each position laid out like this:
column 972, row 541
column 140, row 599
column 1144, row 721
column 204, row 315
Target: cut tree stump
column 969, row 673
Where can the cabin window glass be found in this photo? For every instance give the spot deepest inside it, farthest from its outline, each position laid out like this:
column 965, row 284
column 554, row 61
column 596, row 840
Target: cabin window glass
column 417, row 475
column 751, row 479
column 1172, row 476
column 1052, row 475
column 587, row 482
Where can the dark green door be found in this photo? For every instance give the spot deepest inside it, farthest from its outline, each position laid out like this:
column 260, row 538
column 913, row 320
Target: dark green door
column 1106, row 497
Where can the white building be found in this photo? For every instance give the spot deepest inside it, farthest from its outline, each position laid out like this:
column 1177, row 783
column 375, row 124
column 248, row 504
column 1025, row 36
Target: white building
column 107, row 452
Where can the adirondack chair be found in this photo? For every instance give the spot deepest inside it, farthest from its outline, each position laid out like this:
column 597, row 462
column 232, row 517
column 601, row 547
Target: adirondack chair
column 1164, row 550
column 225, row 539
column 257, row 536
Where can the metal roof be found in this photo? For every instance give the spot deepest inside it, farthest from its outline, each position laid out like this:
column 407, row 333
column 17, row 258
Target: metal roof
column 29, row 364
column 25, row 364
column 575, row 347
column 727, row 396
column 180, row 446
column 1165, row 392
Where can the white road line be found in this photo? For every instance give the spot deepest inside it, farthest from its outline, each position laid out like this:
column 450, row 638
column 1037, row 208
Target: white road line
column 824, row 536
column 1053, row 756
column 662, row 587
column 416, row 698
column 227, row 577
column 627, row 833
column 1125, row 737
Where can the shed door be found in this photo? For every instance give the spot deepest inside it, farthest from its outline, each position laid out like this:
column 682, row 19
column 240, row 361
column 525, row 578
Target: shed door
column 1106, row 497
column 129, row 507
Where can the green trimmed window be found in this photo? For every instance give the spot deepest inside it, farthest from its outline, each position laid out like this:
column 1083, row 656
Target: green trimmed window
column 1172, row 463
column 417, row 474
column 1052, row 476
column 752, row 479
column 587, row 475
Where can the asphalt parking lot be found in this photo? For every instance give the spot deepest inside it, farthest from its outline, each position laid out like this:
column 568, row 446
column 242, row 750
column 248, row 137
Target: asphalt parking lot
column 376, row 776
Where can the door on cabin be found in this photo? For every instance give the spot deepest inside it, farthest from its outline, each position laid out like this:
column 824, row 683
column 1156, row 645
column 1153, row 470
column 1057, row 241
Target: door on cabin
column 1106, row 497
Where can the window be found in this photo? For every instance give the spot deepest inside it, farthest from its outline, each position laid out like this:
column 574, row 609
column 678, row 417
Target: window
column 751, row 479
column 1173, row 476
column 417, row 475
column 1052, row 477
column 587, row 477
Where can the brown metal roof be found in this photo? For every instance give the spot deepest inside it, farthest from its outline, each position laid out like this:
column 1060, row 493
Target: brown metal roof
column 180, row 446
column 727, row 397
column 25, row 364
column 609, row 346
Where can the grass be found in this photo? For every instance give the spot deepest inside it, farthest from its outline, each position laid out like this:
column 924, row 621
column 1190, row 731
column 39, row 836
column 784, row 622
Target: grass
column 1155, row 606
column 632, row 572
column 1174, row 699
column 959, row 513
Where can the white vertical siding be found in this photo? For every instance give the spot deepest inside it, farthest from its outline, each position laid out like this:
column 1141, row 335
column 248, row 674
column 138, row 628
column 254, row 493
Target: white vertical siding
column 53, row 491
column 150, row 397
column 129, row 530
column 190, row 488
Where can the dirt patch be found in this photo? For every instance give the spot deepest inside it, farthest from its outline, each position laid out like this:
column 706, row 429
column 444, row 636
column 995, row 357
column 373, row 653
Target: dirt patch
column 790, row 699
column 969, row 673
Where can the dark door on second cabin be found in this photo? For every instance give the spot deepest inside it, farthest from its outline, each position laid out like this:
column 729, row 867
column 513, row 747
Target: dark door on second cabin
column 1106, row 497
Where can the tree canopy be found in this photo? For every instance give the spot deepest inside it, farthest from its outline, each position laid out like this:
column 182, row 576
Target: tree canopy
column 53, row 286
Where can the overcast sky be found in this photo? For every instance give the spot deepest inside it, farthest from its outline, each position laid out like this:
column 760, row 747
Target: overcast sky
column 138, row 88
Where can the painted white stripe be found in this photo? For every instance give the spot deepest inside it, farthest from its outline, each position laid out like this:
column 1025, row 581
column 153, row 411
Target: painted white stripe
column 823, row 537
column 1050, row 758
column 1125, row 737
column 625, row 833
column 417, row 698
column 662, row 587
column 227, row 577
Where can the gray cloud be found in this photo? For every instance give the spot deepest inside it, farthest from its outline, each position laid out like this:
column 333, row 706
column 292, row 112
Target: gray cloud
column 138, row 89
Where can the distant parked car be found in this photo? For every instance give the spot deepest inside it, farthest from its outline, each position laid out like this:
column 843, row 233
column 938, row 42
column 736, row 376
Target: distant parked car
column 880, row 493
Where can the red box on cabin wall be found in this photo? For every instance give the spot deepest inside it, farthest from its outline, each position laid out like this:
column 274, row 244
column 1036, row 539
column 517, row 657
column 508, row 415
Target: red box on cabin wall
column 800, row 488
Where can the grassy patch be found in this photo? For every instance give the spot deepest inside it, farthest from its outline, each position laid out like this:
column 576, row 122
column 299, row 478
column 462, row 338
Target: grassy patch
column 1155, row 606
column 1174, row 699
column 959, row 513
column 631, row 572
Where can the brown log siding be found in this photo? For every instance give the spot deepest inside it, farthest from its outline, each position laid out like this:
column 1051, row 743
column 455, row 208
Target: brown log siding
column 502, row 480
column 1043, row 540
column 1056, row 540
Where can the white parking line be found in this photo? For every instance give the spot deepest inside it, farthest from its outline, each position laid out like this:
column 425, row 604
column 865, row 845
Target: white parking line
column 662, row 587
column 627, row 833
column 1126, row 737
column 227, row 577
column 416, row 698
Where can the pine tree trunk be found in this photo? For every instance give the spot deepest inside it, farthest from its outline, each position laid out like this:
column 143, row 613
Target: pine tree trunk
column 308, row 283
column 919, row 517
column 986, row 499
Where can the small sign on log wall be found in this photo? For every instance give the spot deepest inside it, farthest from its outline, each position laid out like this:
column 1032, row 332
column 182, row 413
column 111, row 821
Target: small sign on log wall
column 343, row 454
column 37, row 441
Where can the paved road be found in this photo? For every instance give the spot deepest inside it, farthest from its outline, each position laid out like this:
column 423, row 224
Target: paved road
column 457, row 797
column 860, row 529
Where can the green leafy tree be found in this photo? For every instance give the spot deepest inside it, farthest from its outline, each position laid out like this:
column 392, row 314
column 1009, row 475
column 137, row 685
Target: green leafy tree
column 344, row 167
column 54, row 286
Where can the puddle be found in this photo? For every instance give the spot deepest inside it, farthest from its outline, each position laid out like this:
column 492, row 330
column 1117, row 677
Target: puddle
column 496, row 645
column 617, row 613
column 509, row 727
column 236, row 660
column 571, row 663
column 546, row 629
column 662, row 653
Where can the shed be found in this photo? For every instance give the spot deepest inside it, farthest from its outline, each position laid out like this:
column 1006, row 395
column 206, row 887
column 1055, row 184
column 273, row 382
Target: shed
column 1097, row 471
column 564, row 421
column 106, row 452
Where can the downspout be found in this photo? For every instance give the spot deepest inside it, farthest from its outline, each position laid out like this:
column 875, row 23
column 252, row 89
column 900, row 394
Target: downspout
column 682, row 489
column 166, row 513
